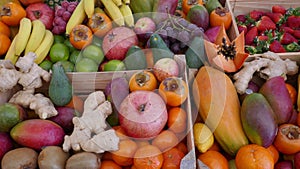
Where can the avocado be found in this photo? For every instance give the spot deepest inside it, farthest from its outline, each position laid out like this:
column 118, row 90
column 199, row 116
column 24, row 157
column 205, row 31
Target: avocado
column 159, row 48
column 195, row 55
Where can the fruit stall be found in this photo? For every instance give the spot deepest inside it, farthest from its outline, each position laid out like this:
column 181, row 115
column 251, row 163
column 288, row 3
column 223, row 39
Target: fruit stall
column 133, row 84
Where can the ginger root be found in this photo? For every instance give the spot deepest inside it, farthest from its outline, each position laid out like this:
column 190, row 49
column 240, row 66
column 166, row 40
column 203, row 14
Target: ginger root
column 267, row 65
column 89, row 130
column 9, row 75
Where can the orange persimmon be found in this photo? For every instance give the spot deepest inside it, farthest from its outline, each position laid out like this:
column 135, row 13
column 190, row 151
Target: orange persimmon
column 165, row 140
column 172, row 159
column 100, row 24
column 177, row 119
column 4, row 29
column 188, row 4
column 12, row 13
column 220, row 16
column 124, row 156
column 5, row 43
column 81, row 36
column 109, row 164
column 144, row 80
column 274, row 152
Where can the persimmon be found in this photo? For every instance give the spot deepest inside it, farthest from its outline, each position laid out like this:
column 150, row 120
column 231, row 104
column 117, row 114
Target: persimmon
column 172, row 159
column 5, row 43
column 287, row 140
column 120, row 132
column 148, row 157
column 100, row 24
column 188, row 4
column 177, row 119
column 214, row 159
column 4, row 29
column 292, row 92
column 76, row 103
column 254, row 156
column 165, row 140
column 144, row 80
column 274, row 152
column 124, row 156
column 12, row 13
column 108, row 164
column 81, row 36
column 220, row 16
column 173, row 90
column 182, row 147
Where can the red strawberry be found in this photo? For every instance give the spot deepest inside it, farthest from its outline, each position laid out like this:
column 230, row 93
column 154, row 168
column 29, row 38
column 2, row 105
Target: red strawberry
column 277, row 18
column 265, row 23
column 242, row 28
column 276, row 47
column 296, row 34
column 256, row 15
column 241, row 18
column 250, row 36
column 263, row 38
column 278, row 9
column 287, row 38
column 293, row 22
column 287, row 29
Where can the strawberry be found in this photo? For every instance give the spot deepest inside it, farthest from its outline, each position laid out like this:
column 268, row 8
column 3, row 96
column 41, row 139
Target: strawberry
column 287, row 29
column 293, row 21
column 277, row 47
column 241, row 18
column 277, row 18
column 296, row 34
column 242, row 28
column 287, row 38
column 250, row 36
column 262, row 38
column 278, row 9
column 256, row 15
column 265, row 23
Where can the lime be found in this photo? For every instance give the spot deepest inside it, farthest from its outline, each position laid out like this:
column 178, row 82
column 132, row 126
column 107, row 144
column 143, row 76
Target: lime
column 46, row 65
column 97, row 41
column 58, row 52
column 59, row 39
column 67, row 65
column 86, row 65
column 93, row 52
column 114, row 65
column 68, row 43
column 75, row 55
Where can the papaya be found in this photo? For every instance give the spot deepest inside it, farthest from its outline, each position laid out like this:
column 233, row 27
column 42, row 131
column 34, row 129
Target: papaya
column 276, row 93
column 258, row 120
column 219, row 107
column 141, row 8
column 159, row 48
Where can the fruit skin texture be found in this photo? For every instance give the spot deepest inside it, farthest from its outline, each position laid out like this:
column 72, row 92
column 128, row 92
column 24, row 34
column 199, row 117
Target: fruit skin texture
column 37, row 133
column 258, row 120
column 117, row 42
column 276, row 93
column 213, row 87
column 42, row 12
column 6, row 144
column 297, row 160
column 143, row 114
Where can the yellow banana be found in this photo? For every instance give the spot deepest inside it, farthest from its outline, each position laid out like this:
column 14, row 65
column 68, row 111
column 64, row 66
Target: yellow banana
column 114, row 12
column 11, row 52
column 36, row 36
column 76, row 18
column 98, row 10
column 127, row 2
column 89, row 6
column 127, row 14
column 44, row 48
column 117, row 2
column 25, row 31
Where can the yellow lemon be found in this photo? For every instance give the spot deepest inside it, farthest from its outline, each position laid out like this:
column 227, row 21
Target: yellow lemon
column 203, row 137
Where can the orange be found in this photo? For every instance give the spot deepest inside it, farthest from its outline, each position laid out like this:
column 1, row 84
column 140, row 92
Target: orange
column 292, row 92
column 172, row 159
column 141, row 143
column 124, row 155
column 76, row 103
column 5, row 43
column 274, row 153
column 182, row 147
column 81, row 36
column 148, row 157
column 254, row 156
column 214, row 159
column 4, row 29
column 165, row 140
column 108, row 164
column 177, row 120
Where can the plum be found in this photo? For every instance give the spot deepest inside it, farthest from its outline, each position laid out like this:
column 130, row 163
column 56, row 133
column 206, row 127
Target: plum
column 6, row 143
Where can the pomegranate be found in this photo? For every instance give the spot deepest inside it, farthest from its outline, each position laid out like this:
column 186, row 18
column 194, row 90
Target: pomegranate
column 117, row 42
column 143, row 114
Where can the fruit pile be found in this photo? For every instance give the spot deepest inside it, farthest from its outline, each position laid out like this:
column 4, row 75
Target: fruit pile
column 276, row 30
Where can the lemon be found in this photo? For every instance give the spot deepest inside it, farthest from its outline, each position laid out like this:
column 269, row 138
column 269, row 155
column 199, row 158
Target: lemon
column 203, row 137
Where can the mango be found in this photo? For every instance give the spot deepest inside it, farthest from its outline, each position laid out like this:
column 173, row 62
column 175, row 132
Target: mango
column 276, row 93
column 10, row 115
column 258, row 120
column 37, row 133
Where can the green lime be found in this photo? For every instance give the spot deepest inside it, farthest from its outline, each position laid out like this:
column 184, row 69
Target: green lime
column 93, row 52
column 68, row 43
column 75, row 55
column 67, row 65
column 46, row 65
column 86, row 65
column 114, row 65
column 58, row 52
column 97, row 41
column 59, row 39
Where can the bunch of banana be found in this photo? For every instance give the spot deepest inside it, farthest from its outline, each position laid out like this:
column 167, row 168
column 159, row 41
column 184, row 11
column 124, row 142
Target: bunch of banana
column 77, row 17
column 89, row 6
column 31, row 37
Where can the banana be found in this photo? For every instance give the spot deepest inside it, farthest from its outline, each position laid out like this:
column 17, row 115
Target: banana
column 117, row 2
column 114, row 12
column 127, row 2
column 11, row 52
column 24, row 34
column 76, row 18
column 127, row 14
column 36, row 36
column 89, row 6
column 44, row 48
column 98, row 10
